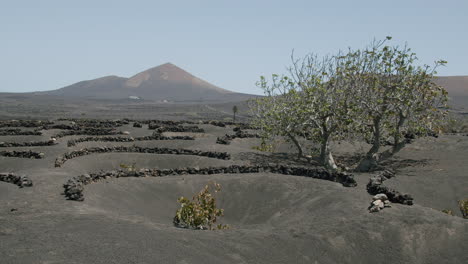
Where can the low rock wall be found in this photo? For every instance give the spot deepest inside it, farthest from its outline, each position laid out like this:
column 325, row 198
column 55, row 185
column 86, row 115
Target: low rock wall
column 28, row 144
column 19, row 132
column 20, row 180
column 177, row 128
column 28, row 154
column 25, row 123
column 96, row 123
column 375, row 186
column 135, row 149
column 75, row 186
column 89, row 132
column 74, row 142
column 226, row 139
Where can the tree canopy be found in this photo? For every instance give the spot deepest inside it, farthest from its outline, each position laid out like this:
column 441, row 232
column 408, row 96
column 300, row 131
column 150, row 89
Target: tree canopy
column 376, row 93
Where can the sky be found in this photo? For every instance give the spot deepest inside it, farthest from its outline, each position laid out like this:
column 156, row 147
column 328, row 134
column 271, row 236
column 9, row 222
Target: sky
column 46, row 45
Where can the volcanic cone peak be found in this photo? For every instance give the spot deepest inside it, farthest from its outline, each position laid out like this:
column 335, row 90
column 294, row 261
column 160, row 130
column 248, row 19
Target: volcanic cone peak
column 170, row 73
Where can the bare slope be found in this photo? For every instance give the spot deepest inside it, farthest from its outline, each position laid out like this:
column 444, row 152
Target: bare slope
column 457, row 87
column 166, row 82
column 274, row 218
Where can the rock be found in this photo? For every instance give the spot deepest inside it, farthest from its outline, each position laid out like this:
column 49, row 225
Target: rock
column 375, row 186
column 374, row 209
column 380, row 196
column 376, row 202
column 381, row 205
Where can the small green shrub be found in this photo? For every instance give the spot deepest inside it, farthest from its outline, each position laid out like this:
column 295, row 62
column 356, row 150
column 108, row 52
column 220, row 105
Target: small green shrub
column 129, row 168
column 449, row 212
column 201, row 212
column 464, row 207
column 265, row 147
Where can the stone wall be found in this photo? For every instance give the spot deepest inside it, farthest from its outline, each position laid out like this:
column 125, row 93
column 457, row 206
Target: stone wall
column 226, row 139
column 73, row 142
column 75, row 186
column 135, row 149
column 375, row 186
column 28, row 144
column 19, row 132
column 21, row 181
column 96, row 123
column 89, row 132
column 25, row 123
column 28, row 154
column 175, row 128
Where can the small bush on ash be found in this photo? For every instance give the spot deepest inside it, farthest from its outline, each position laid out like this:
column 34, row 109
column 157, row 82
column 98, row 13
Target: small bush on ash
column 464, row 207
column 449, row 212
column 265, row 147
column 128, row 167
column 200, row 213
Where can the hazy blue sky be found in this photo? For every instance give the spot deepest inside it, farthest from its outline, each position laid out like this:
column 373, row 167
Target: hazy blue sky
column 46, row 45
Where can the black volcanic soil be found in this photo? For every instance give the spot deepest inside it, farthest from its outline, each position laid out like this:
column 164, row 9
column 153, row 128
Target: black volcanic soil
column 274, row 218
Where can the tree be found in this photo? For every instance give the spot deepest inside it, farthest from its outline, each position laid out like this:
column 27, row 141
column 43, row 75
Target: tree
column 234, row 111
column 376, row 93
column 397, row 99
column 314, row 101
column 277, row 114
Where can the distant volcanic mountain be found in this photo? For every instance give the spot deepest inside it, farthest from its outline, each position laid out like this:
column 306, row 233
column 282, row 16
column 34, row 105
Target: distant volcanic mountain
column 163, row 83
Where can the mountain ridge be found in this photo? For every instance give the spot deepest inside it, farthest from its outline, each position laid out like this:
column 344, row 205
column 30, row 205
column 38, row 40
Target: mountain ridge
column 166, row 82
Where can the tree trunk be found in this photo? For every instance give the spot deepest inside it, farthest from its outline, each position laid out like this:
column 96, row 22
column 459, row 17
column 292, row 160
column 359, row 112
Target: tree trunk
column 397, row 144
column 326, row 157
column 391, row 152
column 300, row 152
column 371, row 159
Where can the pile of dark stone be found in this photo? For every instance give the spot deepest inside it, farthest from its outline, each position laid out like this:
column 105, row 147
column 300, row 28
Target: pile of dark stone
column 75, row 186
column 137, row 124
column 226, row 139
column 375, row 187
column 28, row 144
column 136, row 149
column 155, row 136
column 89, row 131
column 28, row 154
column 20, row 180
column 25, row 123
column 19, row 132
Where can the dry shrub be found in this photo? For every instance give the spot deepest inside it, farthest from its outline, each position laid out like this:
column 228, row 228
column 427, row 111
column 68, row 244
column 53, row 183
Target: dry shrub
column 464, row 207
column 200, row 213
column 449, row 212
column 128, row 167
